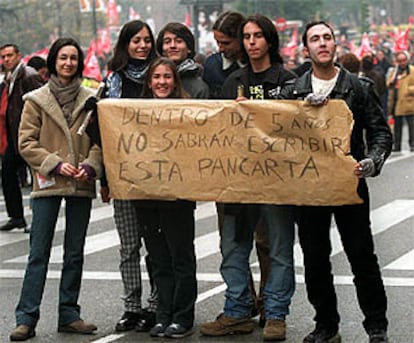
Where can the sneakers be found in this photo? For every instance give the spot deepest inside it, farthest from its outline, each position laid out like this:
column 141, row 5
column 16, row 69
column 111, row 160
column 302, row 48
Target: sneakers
column 378, row 336
column 224, row 325
column 79, row 327
column 175, row 330
column 14, row 223
column 22, row 333
column 158, row 330
column 127, row 322
column 274, row 330
column 323, row 335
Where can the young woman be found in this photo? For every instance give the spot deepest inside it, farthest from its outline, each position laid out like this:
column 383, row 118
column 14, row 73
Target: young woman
column 168, row 228
column 63, row 165
column 133, row 53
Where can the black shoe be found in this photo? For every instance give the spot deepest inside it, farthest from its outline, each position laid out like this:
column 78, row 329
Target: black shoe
column 175, row 330
column 127, row 322
column 146, row 322
column 378, row 336
column 158, row 330
column 323, row 335
column 14, row 223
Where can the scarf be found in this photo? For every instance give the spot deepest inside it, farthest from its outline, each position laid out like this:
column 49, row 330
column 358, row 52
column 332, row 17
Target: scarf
column 135, row 71
column 65, row 95
column 188, row 65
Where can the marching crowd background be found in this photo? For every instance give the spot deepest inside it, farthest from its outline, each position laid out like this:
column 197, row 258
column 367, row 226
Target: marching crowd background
column 44, row 103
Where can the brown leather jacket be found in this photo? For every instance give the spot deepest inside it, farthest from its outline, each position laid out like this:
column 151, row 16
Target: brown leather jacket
column 27, row 80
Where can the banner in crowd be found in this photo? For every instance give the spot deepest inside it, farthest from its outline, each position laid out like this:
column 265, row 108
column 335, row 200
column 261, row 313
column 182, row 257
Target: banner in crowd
column 281, row 152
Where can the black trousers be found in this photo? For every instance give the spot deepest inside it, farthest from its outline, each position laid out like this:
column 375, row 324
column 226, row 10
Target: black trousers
column 169, row 238
column 354, row 227
column 11, row 164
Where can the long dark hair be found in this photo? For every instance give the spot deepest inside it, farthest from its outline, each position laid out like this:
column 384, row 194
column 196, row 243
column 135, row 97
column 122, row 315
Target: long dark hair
column 270, row 34
column 54, row 50
column 120, row 59
column 178, row 92
column 229, row 23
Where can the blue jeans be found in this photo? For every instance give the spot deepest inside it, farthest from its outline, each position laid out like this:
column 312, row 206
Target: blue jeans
column 280, row 285
column 45, row 215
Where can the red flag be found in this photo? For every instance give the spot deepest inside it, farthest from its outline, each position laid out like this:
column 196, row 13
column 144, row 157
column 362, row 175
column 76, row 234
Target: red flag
column 112, row 17
column 401, row 41
column 365, row 46
column 133, row 15
column 92, row 69
column 42, row 53
column 187, row 19
column 292, row 46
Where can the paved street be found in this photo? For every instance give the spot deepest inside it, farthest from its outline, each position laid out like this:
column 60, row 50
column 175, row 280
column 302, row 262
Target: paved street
column 392, row 203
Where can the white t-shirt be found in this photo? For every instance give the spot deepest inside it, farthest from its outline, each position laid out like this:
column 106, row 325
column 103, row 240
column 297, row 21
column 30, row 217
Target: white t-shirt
column 323, row 87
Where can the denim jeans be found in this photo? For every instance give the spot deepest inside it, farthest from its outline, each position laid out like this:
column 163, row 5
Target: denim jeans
column 45, row 214
column 234, row 268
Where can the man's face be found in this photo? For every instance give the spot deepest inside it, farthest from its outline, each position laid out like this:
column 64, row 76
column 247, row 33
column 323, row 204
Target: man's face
column 174, row 47
column 402, row 61
column 321, row 45
column 255, row 42
column 228, row 46
column 10, row 57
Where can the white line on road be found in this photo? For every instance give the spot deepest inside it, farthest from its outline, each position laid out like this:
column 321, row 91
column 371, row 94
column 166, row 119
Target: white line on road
column 205, row 277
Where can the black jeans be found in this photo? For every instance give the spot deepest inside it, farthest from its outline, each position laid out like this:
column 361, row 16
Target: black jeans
column 354, row 227
column 169, row 238
column 11, row 164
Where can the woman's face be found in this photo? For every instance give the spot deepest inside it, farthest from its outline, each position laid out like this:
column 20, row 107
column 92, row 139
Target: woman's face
column 140, row 46
column 162, row 82
column 67, row 63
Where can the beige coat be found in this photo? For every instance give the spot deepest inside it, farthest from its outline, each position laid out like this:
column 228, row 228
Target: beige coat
column 45, row 140
column 405, row 101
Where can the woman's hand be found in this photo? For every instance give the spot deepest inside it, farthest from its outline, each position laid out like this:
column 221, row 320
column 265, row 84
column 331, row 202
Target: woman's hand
column 67, row 169
column 82, row 174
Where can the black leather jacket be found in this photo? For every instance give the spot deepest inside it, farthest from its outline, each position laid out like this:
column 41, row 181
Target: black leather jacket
column 364, row 103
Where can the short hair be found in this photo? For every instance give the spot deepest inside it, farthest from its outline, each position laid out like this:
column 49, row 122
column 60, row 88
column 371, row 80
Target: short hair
column 54, row 50
column 120, row 59
column 270, row 34
column 350, row 62
column 10, row 45
column 180, row 30
column 178, row 92
column 312, row 24
column 37, row 62
column 229, row 23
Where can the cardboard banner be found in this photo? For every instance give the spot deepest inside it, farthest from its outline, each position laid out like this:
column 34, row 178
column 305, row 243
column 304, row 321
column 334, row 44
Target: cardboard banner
column 280, row 152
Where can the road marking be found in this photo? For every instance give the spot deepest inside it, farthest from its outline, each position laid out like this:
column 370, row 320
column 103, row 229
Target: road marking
column 405, row 262
column 382, row 219
column 205, row 245
column 340, row 280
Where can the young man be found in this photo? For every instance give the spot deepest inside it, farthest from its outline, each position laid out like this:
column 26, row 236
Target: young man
column 326, row 80
column 262, row 78
column 19, row 81
column 176, row 42
column 220, row 65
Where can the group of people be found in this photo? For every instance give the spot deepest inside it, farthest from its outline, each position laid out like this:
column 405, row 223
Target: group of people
column 247, row 66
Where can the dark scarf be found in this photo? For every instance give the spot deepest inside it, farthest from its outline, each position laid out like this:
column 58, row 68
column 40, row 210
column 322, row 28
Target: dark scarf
column 65, row 95
column 134, row 71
